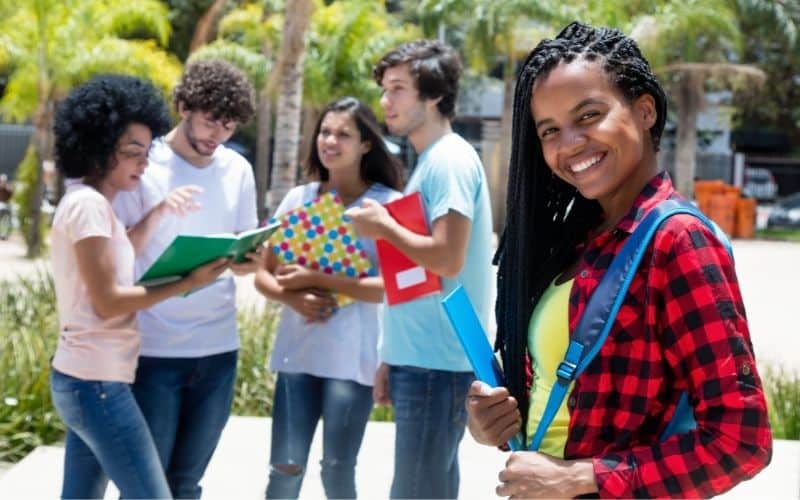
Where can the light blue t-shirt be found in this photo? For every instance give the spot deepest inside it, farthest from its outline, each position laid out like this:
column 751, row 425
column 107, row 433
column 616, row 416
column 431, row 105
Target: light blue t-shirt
column 450, row 176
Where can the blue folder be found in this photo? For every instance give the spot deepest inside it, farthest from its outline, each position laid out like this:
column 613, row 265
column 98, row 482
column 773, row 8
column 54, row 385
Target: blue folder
column 475, row 343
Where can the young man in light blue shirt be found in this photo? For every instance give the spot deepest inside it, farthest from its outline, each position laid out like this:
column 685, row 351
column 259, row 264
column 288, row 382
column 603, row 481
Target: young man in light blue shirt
column 425, row 373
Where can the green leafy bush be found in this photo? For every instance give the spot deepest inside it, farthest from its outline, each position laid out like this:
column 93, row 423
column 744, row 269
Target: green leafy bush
column 28, row 336
column 782, row 387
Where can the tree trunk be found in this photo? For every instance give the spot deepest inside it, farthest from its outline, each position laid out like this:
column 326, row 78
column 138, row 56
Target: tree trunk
column 499, row 184
column 310, row 116
column 287, row 123
column 264, row 130
column 263, row 150
column 205, row 25
column 689, row 99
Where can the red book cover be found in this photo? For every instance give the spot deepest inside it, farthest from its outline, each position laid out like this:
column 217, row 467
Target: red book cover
column 403, row 279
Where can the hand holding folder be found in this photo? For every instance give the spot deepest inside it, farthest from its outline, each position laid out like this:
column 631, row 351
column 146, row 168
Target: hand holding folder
column 475, row 343
column 403, row 279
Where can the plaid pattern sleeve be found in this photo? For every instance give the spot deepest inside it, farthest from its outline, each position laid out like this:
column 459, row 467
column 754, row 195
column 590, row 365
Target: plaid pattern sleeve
column 682, row 327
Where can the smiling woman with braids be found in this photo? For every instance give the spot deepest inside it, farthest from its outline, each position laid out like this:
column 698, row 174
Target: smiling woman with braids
column 588, row 117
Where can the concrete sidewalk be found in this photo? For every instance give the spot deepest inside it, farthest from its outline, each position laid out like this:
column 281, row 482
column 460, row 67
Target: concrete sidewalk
column 239, row 468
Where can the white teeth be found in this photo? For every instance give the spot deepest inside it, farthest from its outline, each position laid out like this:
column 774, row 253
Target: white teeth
column 580, row 167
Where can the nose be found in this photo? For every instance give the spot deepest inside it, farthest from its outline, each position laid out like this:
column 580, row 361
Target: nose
column 573, row 140
column 384, row 101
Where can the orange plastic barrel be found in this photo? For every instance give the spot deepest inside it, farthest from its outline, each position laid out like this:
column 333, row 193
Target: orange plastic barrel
column 704, row 190
column 745, row 217
column 722, row 210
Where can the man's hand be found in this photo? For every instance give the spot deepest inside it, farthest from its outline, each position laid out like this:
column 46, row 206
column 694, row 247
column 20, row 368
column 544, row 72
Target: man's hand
column 371, row 219
column 380, row 391
column 180, row 201
column 529, row 474
column 255, row 260
column 313, row 305
column 296, row 277
column 493, row 414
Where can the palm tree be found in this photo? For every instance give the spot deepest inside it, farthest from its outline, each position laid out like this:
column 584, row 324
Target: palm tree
column 346, row 39
column 694, row 43
column 53, row 45
column 290, row 91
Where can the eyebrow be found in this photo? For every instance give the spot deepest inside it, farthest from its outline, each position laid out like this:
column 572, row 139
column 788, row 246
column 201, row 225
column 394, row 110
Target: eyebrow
column 135, row 143
column 585, row 102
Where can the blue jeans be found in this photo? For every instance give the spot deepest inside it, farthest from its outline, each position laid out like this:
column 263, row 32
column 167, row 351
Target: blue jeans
column 186, row 402
column 430, row 418
column 300, row 400
column 107, row 436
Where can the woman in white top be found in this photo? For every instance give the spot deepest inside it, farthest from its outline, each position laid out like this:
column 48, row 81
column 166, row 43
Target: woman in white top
column 103, row 132
column 326, row 357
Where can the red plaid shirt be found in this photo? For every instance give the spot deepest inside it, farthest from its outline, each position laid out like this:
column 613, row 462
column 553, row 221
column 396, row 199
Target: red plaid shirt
column 681, row 327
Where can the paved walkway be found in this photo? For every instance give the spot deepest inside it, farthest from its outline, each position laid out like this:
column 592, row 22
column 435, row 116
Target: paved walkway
column 239, row 468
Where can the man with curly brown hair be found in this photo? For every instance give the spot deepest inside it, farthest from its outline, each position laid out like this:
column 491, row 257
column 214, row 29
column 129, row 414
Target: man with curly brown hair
column 187, row 367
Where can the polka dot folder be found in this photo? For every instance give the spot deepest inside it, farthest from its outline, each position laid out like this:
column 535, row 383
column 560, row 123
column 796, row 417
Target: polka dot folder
column 318, row 236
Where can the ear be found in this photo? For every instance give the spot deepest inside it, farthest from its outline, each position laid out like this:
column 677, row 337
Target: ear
column 645, row 109
column 365, row 147
column 182, row 111
column 433, row 103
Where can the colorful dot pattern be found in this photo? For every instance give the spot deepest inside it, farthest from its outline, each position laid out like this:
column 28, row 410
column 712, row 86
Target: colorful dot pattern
column 319, row 236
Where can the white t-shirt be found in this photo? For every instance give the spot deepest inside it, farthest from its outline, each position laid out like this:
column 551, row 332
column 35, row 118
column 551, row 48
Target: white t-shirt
column 346, row 346
column 89, row 347
column 204, row 322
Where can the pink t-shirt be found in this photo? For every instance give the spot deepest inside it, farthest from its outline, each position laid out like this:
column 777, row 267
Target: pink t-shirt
column 89, row 347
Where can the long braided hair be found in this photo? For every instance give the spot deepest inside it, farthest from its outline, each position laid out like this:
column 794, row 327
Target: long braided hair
column 547, row 219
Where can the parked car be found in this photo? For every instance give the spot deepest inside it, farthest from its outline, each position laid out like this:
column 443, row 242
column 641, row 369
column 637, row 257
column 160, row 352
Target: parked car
column 786, row 212
column 759, row 183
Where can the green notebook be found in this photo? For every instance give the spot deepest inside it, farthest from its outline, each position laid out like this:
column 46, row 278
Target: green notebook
column 186, row 253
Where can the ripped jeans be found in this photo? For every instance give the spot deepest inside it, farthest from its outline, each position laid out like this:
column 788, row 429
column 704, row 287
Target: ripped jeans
column 300, row 401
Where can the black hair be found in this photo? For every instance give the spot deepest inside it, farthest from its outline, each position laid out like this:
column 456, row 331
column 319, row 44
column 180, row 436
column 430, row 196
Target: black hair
column 216, row 87
column 93, row 117
column 547, row 219
column 377, row 164
column 435, row 66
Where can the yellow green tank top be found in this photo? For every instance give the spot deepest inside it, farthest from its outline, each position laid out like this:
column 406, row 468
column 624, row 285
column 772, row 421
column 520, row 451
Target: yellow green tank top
column 548, row 336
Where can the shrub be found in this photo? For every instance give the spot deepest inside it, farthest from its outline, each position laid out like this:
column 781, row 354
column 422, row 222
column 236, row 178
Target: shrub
column 28, row 336
column 782, row 388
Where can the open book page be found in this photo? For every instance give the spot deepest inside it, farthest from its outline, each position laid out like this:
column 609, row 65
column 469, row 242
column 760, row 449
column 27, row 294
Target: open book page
column 186, row 253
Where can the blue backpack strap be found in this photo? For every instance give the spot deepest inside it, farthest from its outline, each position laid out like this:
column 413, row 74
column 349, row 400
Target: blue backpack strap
column 602, row 308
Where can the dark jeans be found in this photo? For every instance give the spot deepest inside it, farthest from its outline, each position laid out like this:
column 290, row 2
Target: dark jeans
column 430, row 418
column 186, row 402
column 106, row 437
column 300, row 401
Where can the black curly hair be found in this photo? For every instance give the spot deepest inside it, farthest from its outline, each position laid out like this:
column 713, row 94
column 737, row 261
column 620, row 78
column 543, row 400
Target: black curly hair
column 434, row 65
column 216, row 87
column 93, row 117
column 377, row 165
column 547, row 219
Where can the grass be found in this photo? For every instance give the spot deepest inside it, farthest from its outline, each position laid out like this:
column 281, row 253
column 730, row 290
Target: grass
column 778, row 234
column 782, row 388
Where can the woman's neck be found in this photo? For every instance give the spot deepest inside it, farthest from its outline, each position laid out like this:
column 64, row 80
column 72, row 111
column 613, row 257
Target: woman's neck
column 349, row 188
column 102, row 186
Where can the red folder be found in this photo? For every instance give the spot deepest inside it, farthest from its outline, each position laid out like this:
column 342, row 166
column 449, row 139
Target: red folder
column 403, row 279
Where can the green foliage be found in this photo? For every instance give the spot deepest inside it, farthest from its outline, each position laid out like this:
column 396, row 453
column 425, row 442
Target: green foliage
column 346, row 38
column 782, row 388
column 142, row 20
column 28, row 336
column 183, row 16
column 779, row 234
column 254, row 65
column 255, row 384
column 52, row 46
column 26, row 182
column 246, row 27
